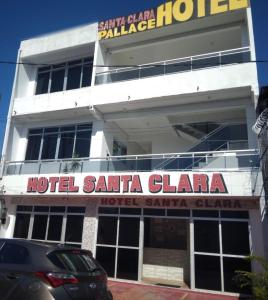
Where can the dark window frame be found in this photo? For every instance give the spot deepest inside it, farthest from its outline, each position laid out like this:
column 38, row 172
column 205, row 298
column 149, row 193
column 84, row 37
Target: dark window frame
column 59, row 131
column 83, row 63
column 68, row 211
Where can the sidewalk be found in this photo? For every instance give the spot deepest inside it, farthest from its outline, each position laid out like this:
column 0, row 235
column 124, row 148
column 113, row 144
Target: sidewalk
column 129, row 291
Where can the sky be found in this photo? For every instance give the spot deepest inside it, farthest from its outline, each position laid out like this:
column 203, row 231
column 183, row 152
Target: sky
column 20, row 20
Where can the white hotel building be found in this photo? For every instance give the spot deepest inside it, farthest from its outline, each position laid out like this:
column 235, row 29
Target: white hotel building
column 139, row 147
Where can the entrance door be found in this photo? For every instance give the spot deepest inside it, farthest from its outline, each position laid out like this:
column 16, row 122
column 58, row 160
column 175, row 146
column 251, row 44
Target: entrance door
column 118, row 246
column 166, row 255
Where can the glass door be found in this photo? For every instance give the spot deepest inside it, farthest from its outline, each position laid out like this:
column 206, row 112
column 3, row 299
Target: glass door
column 118, row 246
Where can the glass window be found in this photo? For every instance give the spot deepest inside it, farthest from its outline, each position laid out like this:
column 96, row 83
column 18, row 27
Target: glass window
column 39, row 227
column 66, row 145
column 57, row 80
column 207, row 272
column 49, row 146
column 74, row 229
column 165, row 233
column 54, row 228
column 206, row 213
column 76, row 209
column 57, row 209
column 74, row 77
column 87, row 126
column 178, row 212
column 127, row 265
column 14, row 254
column 130, row 211
column 206, row 236
column 87, row 74
column 79, row 74
column 108, row 210
column 48, row 223
column 22, row 226
column 230, row 266
column 154, row 212
column 119, row 148
column 128, row 225
column 51, row 130
column 24, row 208
column 73, row 260
column 235, row 214
column 235, row 238
column 33, row 147
column 42, row 83
column 106, row 257
column 41, row 208
column 82, row 144
column 72, row 141
column 105, row 236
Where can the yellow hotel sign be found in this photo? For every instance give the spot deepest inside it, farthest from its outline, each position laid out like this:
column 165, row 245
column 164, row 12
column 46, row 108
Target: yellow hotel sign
column 171, row 12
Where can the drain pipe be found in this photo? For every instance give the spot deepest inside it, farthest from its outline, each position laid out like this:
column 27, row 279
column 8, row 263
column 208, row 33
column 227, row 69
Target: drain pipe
column 9, row 116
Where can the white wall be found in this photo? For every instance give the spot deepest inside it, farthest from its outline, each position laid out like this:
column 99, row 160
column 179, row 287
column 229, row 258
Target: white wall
column 59, row 40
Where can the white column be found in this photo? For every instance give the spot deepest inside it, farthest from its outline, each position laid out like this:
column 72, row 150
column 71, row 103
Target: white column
column 257, row 237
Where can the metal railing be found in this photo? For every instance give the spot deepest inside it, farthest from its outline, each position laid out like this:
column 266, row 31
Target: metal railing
column 216, row 160
column 185, row 64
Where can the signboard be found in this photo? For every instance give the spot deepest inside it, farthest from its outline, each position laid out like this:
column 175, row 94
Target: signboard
column 169, row 13
column 141, row 184
column 196, row 202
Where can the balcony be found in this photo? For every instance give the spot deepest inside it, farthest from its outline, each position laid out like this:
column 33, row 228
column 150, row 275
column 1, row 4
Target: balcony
column 247, row 160
column 179, row 65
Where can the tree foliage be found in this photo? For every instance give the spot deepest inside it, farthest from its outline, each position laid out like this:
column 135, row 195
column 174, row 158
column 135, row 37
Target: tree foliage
column 257, row 281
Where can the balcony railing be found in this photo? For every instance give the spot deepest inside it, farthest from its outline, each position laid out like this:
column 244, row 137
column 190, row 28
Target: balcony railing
column 186, row 64
column 217, row 160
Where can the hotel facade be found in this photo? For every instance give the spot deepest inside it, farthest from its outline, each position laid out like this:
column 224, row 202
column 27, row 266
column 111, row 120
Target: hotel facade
column 132, row 138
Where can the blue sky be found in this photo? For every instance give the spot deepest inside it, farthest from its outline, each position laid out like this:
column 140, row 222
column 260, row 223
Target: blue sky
column 20, row 20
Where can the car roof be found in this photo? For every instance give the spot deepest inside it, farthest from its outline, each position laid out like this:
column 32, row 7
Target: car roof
column 38, row 244
column 40, row 249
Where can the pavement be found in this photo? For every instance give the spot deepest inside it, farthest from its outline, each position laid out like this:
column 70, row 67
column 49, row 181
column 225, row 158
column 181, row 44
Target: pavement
column 131, row 291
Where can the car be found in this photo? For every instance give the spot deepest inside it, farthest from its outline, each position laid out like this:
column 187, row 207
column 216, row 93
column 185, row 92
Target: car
column 31, row 270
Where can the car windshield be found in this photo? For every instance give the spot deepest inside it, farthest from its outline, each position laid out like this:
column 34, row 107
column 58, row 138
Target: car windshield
column 75, row 261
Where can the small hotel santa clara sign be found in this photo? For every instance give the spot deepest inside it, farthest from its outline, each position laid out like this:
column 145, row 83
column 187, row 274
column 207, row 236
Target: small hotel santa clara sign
column 169, row 13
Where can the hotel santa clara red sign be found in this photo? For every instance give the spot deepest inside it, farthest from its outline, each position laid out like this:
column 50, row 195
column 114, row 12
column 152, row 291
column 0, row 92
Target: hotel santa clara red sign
column 181, row 190
column 169, row 13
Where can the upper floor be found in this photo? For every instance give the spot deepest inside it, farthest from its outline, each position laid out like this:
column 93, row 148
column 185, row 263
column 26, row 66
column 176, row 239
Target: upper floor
column 72, row 69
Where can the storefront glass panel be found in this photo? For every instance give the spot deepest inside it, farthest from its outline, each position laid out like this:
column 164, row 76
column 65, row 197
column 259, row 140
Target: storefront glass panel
column 57, row 224
column 39, row 227
column 127, row 265
column 106, row 257
column 54, row 228
column 22, row 226
column 235, row 238
column 107, row 237
column 207, row 272
column 127, row 226
column 230, row 266
column 206, row 236
column 74, row 229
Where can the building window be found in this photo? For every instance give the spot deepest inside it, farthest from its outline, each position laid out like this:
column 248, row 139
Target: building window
column 57, row 224
column 65, row 76
column 119, row 149
column 59, row 142
column 220, row 249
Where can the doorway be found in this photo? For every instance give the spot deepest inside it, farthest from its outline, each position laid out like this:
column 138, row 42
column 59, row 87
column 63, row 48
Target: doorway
column 166, row 253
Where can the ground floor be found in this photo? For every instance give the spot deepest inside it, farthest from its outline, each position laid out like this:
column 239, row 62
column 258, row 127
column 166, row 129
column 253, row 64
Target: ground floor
column 123, row 291
column 192, row 247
